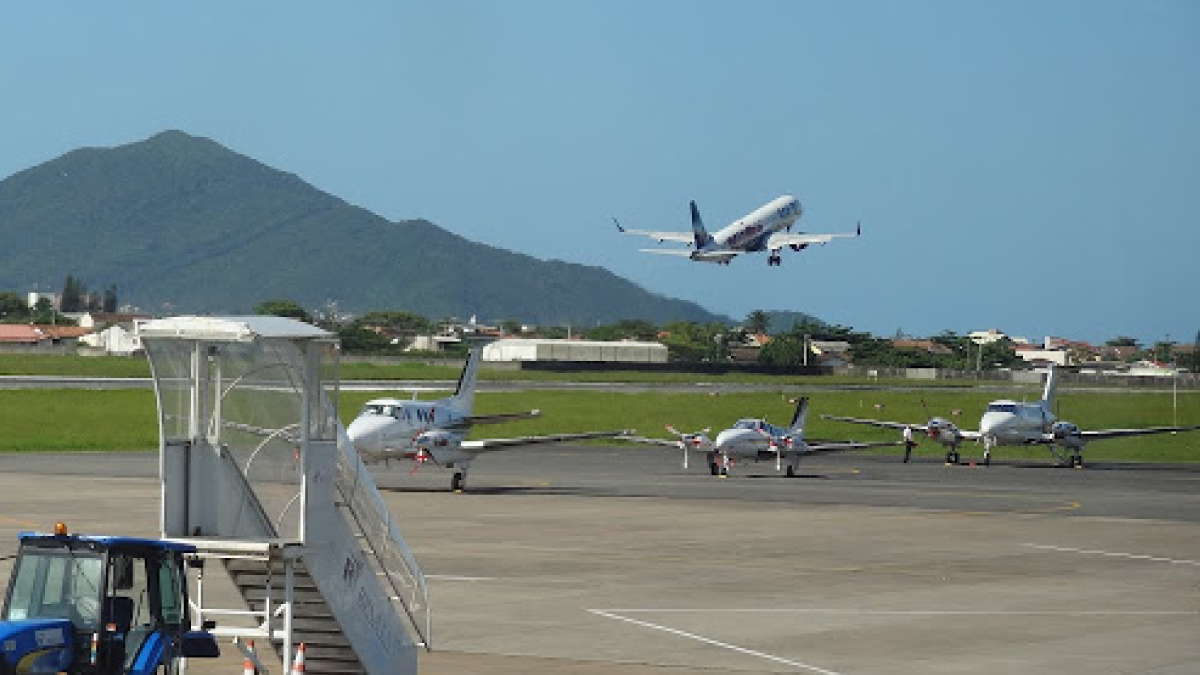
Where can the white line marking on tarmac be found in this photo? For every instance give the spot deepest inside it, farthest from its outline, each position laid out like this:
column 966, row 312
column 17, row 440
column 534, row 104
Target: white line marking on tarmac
column 715, row 643
column 913, row 612
column 451, row 577
column 1113, row 554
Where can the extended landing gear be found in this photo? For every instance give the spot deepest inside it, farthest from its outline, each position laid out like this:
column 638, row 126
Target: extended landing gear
column 791, row 470
column 774, row 260
column 714, row 468
column 952, row 457
column 1077, row 461
column 458, row 482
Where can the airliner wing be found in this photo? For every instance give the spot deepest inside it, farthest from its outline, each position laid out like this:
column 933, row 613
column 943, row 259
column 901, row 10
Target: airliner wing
column 780, row 239
column 668, row 251
column 681, row 237
column 493, row 444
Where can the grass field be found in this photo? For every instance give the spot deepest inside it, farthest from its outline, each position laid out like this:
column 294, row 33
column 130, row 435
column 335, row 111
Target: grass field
column 38, row 420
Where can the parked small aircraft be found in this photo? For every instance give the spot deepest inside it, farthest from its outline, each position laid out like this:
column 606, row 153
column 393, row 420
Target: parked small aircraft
column 1007, row 422
column 757, row 440
column 759, row 230
column 434, row 432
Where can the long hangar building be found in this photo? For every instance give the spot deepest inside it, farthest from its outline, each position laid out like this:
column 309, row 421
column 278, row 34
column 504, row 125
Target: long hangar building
column 511, row 350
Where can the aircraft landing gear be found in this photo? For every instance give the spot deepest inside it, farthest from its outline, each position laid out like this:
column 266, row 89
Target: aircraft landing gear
column 952, row 457
column 791, row 470
column 458, row 482
column 774, row 261
column 714, row 468
column 1077, row 461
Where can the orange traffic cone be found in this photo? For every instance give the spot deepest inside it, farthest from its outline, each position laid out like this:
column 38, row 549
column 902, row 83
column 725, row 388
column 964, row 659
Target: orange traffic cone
column 298, row 664
column 248, row 663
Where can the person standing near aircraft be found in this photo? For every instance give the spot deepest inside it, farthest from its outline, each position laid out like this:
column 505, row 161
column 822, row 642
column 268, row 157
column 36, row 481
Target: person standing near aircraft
column 909, row 443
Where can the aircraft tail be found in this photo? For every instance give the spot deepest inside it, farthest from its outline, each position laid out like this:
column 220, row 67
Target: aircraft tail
column 703, row 238
column 799, row 419
column 1051, row 388
column 463, row 399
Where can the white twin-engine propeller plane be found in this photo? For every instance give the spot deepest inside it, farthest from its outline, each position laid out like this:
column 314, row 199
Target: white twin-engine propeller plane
column 1011, row 423
column 759, row 230
column 434, row 432
column 757, row 440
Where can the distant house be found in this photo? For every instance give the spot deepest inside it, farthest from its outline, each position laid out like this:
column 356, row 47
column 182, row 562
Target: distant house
column 834, row 353
column 747, row 351
column 924, row 345
column 19, row 334
column 64, row 335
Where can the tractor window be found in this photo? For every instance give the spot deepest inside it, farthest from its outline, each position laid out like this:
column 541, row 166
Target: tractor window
column 169, row 591
column 54, row 585
column 129, row 602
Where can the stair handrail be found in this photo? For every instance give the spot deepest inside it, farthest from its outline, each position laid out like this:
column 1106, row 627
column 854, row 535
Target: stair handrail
column 393, row 555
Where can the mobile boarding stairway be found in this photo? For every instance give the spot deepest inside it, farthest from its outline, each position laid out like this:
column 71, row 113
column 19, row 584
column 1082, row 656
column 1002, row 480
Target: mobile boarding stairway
column 258, row 474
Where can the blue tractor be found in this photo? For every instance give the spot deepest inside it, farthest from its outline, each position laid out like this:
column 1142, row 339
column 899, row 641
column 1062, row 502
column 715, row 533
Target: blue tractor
column 92, row 605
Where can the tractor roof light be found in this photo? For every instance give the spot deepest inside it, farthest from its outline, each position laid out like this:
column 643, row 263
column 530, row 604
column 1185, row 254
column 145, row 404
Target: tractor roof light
column 60, row 529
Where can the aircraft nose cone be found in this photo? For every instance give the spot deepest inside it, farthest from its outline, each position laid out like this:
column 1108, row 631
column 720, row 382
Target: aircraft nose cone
column 365, row 434
column 730, row 438
column 723, row 440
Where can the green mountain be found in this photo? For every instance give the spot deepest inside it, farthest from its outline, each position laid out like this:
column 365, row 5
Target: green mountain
column 182, row 224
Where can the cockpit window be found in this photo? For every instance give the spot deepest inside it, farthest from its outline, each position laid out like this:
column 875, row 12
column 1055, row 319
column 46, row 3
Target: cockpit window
column 379, row 409
column 1003, row 408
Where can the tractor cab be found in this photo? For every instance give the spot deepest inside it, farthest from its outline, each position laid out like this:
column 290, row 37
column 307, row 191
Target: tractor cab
column 97, row 605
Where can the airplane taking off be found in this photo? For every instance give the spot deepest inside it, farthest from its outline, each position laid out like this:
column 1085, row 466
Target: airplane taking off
column 760, row 230
column 757, row 440
column 434, row 432
column 1008, row 422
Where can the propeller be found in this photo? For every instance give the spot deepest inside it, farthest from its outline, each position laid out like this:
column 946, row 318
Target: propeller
column 696, row 440
column 774, row 443
column 423, row 441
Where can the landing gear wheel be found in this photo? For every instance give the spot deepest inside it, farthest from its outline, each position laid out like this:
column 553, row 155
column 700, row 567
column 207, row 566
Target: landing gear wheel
column 952, row 457
column 791, row 471
column 987, row 460
column 458, row 482
column 774, row 261
column 714, row 468
column 1077, row 461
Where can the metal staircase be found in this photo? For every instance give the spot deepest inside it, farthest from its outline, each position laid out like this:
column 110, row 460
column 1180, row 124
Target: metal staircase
column 258, row 473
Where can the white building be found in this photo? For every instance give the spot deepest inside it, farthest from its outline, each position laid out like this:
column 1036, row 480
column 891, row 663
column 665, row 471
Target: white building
column 592, row 351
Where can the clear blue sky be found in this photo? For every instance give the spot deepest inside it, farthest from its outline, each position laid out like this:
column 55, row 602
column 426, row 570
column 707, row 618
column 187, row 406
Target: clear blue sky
column 1031, row 166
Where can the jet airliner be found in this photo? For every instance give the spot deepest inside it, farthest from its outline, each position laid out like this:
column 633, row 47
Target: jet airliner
column 759, row 230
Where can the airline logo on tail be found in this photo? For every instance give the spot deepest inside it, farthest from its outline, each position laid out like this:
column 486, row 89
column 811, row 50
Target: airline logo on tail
column 703, row 239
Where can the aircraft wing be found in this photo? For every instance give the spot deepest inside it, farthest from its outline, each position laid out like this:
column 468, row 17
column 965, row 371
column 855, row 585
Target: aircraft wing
column 493, row 444
column 668, row 251
column 1120, row 433
column 877, row 423
column 502, row 417
column 780, row 239
column 681, row 237
column 840, row 446
column 653, row 441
